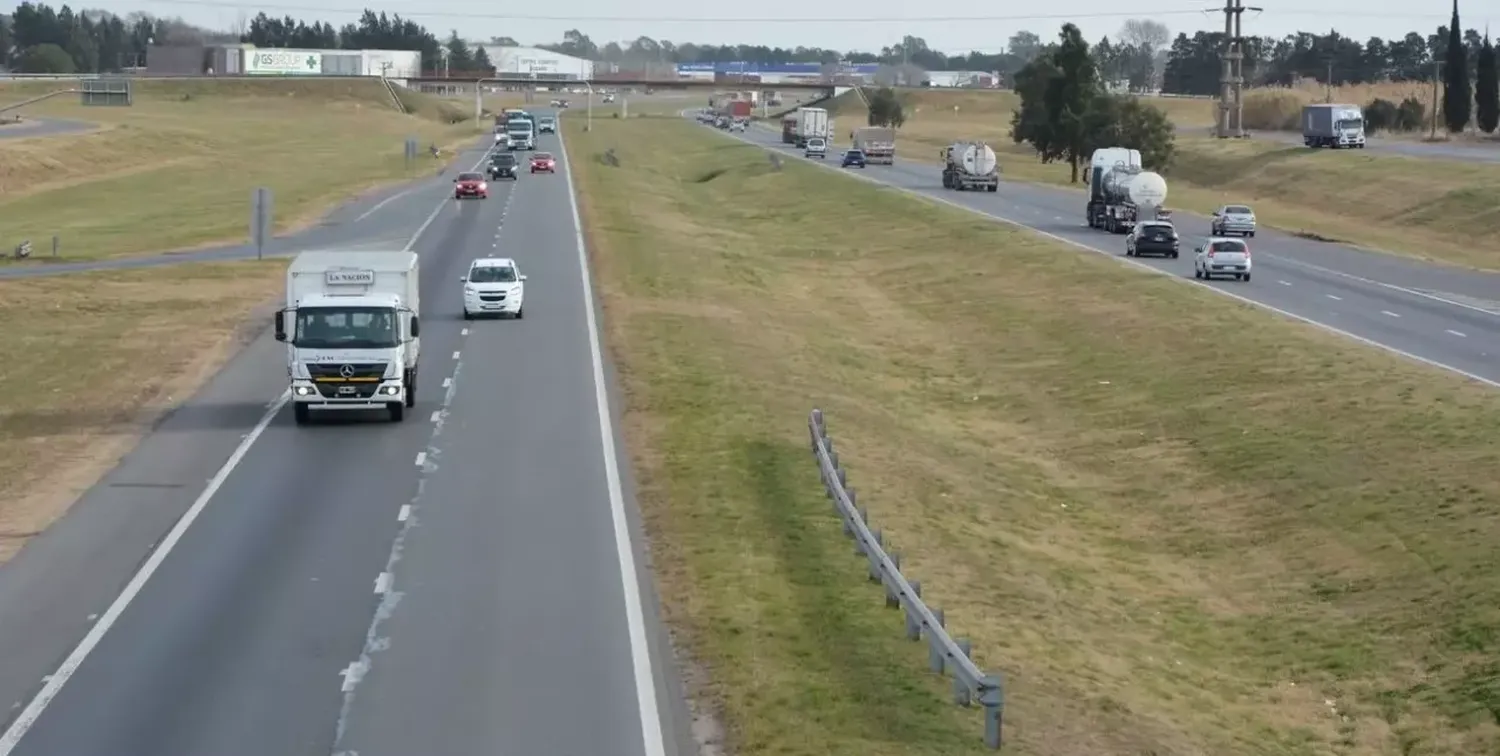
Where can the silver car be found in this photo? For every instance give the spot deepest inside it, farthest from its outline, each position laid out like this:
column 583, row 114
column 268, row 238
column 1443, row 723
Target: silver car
column 1238, row 220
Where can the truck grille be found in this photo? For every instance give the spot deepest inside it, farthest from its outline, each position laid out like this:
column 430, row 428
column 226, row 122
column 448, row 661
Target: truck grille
column 347, row 390
column 333, row 372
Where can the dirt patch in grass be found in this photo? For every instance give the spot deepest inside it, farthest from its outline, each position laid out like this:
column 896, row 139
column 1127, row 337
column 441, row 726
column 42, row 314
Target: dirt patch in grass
column 1440, row 210
column 176, row 170
column 116, row 348
column 1218, row 534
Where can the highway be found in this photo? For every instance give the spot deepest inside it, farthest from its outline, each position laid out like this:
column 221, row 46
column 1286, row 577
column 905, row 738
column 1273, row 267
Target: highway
column 1442, row 316
column 468, row 581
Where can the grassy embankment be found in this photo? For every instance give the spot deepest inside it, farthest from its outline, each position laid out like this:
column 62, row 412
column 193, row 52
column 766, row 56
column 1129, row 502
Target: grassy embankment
column 1420, row 207
column 176, row 170
column 1223, row 534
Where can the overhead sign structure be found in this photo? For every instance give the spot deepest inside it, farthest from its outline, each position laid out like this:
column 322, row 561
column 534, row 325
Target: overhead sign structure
column 283, row 62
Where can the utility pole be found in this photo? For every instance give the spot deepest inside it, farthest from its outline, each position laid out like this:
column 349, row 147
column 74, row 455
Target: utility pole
column 1437, row 73
column 1328, row 82
column 1231, row 120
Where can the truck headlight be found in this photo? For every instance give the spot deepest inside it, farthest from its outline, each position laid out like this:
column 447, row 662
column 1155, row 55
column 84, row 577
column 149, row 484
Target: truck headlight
column 303, row 391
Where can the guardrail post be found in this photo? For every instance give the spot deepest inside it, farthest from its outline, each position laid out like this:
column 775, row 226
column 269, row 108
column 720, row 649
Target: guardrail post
column 992, row 698
column 936, row 660
column 961, row 694
column 913, row 623
column 892, row 599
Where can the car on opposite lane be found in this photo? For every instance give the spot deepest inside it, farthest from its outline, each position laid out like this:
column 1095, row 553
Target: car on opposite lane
column 544, row 162
column 1233, row 219
column 471, row 185
column 853, row 159
column 494, row 286
column 1154, row 237
column 1218, row 256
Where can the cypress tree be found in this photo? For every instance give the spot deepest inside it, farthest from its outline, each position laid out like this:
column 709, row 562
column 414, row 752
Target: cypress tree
column 1487, row 89
column 1458, row 98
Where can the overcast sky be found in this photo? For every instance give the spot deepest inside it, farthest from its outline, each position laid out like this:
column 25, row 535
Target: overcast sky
column 970, row 25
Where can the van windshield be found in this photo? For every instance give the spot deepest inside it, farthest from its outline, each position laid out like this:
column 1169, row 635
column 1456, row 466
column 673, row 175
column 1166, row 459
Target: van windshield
column 493, row 274
column 346, row 328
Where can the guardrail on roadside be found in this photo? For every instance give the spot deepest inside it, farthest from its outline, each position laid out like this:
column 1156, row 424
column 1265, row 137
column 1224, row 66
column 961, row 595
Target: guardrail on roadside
column 944, row 653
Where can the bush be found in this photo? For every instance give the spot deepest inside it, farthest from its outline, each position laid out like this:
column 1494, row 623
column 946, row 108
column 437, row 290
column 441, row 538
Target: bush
column 1381, row 115
column 1411, row 115
column 1274, row 110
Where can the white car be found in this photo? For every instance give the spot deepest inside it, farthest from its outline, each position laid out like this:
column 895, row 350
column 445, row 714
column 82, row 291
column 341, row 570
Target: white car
column 816, row 147
column 502, row 140
column 494, row 287
column 1218, row 256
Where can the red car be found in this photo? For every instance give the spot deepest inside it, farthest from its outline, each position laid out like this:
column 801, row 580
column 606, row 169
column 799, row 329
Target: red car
column 542, row 161
column 470, row 185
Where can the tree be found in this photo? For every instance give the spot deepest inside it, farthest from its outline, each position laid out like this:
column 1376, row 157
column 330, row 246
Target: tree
column 1144, row 38
column 1457, row 96
column 1024, row 45
column 45, row 59
column 1057, row 89
column 1116, row 121
column 1487, row 90
column 885, row 109
column 482, row 59
column 460, row 58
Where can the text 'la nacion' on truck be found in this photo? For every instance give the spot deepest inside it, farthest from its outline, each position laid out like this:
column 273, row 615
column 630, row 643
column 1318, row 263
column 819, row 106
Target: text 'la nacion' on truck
column 351, row 330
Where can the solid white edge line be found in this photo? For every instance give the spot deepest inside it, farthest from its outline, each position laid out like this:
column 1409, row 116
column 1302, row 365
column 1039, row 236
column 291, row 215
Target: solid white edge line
column 1122, row 260
column 384, row 202
column 635, row 617
column 412, row 242
column 65, row 671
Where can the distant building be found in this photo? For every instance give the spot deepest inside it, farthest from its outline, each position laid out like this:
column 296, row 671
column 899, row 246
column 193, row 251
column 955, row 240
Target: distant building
column 966, row 79
column 544, row 65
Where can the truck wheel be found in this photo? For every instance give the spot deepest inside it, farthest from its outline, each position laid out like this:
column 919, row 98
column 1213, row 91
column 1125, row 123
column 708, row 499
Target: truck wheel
column 994, row 187
column 301, row 414
column 411, row 388
column 397, row 410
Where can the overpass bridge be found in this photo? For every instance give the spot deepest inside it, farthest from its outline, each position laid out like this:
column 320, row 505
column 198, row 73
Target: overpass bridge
column 466, row 81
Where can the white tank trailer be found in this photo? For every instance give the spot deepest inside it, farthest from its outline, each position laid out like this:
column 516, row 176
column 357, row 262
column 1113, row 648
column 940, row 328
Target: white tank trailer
column 970, row 166
column 1121, row 191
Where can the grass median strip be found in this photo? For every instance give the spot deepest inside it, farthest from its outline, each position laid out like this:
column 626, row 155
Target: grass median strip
column 176, row 170
column 1433, row 209
column 1222, row 533
column 91, row 359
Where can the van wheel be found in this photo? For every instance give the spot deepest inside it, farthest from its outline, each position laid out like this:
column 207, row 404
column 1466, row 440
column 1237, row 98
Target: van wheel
column 1245, row 277
column 301, row 414
column 521, row 313
column 397, row 410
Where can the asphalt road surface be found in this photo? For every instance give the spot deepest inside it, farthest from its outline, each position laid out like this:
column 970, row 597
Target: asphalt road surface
column 1443, row 316
column 31, row 128
column 1477, row 152
column 465, row 582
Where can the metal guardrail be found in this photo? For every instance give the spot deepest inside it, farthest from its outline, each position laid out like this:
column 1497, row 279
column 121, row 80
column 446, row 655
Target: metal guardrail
column 944, row 653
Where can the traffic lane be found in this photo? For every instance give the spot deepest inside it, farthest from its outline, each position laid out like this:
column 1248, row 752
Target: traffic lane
column 252, row 617
column 75, row 568
column 509, row 583
column 1484, row 153
column 1428, row 333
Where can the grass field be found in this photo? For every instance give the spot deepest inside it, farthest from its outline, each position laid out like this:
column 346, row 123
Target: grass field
column 1419, row 207
column 1218, row 534
column 91, row 359
column 176, row 170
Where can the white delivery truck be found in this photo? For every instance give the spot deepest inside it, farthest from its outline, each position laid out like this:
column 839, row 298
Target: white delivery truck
column 351, row 327
column 812, row 123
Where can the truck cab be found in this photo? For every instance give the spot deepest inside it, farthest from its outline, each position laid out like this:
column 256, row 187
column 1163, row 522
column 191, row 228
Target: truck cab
column 522, row 133
column 352, row 332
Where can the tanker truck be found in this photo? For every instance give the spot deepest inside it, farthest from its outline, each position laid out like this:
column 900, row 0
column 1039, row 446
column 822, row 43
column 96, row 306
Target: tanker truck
column 1121, row 191
column 970, row 166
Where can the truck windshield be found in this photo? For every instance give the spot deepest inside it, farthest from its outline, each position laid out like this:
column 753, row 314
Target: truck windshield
column 1350, row 123
column 346, row 328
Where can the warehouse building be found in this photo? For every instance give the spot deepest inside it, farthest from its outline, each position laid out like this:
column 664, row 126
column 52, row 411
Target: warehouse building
column 544, row 65
column 249, row 60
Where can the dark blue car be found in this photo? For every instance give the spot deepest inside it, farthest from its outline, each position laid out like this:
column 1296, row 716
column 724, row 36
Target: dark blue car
column 855, row 158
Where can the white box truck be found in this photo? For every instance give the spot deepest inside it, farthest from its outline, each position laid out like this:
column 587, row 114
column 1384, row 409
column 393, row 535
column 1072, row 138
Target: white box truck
column 812, row 123
column 351, row 327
